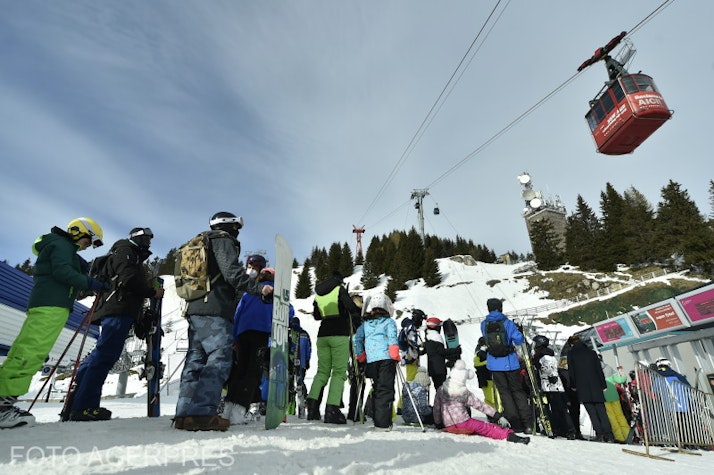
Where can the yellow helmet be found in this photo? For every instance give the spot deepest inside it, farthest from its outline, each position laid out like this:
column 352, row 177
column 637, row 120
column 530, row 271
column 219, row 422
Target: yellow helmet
column 86, row 227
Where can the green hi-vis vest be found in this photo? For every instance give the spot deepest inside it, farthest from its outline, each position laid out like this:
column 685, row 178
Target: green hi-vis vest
column 328, row 304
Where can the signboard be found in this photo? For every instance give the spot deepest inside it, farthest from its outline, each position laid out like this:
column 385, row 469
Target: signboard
column 660, row 317
column 616, row 330
column 698, row 304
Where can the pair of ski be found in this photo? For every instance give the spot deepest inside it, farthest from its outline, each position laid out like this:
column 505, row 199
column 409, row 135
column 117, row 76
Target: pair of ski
column 538, row 399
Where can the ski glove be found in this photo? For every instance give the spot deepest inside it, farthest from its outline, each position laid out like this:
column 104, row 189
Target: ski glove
column 501, row 420
column 394, row 352
column 553, row 379
column 97, row 285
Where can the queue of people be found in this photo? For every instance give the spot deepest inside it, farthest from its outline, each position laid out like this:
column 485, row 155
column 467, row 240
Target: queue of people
column 229, row 330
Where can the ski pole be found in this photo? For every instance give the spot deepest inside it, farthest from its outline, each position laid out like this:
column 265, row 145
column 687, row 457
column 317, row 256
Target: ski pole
column 87, row 317
column 68, row 399
column 403, row 382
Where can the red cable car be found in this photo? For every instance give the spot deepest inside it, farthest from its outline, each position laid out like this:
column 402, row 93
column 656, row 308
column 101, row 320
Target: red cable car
column 628, row 109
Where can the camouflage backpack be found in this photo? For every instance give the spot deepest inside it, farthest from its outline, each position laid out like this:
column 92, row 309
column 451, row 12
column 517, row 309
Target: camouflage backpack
column 191, row 269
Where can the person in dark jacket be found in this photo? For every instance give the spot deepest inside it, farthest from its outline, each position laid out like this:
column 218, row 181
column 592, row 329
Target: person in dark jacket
column 588, row 382
column 437, row 354
column 116, row 311
column 340, row 317
column 210, row 318
column 59, row 275
column 506, row 370
column 546, row 363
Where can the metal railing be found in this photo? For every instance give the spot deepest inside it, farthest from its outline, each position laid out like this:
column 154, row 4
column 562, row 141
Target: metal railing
column 673, row 415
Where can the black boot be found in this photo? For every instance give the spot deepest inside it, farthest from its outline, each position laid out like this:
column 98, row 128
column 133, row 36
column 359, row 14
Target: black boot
column 313, row 409
column 333, row 415
column 512, row 437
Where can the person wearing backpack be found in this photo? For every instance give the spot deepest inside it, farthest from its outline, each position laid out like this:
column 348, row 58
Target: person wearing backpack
column 338, row 315
column 210, row 318
column 437, row 353
column 502, row 336
column 59, row 275
column 116, row 311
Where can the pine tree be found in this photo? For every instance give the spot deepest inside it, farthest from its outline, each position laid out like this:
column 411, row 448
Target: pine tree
column 613, row 249
column 347, row 266
column 430, row 271
column 26, row 267
column 638, row 227
column 582, row 235
column 546, row 244
column 359, row 259
column 681, row 230
column 303, row 287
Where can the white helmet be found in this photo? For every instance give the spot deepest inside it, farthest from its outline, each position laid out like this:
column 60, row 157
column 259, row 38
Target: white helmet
column 663, row 362
column 380, row 301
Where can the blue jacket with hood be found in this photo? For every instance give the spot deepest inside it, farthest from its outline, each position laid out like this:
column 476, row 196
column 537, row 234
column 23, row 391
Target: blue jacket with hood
column 515, row 338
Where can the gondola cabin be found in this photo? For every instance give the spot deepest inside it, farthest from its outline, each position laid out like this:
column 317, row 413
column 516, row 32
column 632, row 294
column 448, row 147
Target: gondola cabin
column 626, row 113
column 629, row 108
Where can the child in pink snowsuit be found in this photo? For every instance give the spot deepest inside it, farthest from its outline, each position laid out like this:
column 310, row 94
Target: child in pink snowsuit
column 451, row 409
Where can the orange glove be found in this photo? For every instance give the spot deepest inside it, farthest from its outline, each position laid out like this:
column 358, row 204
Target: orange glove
column 362, row 358
column 394, row 352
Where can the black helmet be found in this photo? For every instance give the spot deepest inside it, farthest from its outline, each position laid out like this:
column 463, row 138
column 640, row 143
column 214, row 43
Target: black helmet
column 418, row 317
column 540, row 341
column 227, row 222
column 141, row 237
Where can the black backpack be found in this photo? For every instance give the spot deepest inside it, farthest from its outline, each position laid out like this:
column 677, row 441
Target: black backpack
column 99, row 269
column 496, row 339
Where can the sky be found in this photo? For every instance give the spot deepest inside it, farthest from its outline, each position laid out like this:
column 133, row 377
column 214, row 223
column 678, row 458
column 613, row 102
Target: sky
column 133, row 443
column 311, row 118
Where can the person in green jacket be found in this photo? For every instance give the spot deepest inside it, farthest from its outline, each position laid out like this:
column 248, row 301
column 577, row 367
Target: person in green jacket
column 59, row 275
column 339, row 317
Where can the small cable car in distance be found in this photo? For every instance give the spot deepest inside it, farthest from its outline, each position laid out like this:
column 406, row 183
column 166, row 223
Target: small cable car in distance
column 628, row 109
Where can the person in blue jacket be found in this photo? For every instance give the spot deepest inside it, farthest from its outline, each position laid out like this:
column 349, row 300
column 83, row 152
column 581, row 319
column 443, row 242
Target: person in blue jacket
column 252, row 326
column 506, row 370
column 375, row 342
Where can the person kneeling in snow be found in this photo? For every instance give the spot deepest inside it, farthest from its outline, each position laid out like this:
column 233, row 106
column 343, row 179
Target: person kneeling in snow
column 452, row 409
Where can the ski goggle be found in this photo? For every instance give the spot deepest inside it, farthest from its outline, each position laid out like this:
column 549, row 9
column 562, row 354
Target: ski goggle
column 96, row 240
column 142, row 232
column 237, row 221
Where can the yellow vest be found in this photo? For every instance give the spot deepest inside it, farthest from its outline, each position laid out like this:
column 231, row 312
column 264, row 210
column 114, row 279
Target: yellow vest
column 328, row 304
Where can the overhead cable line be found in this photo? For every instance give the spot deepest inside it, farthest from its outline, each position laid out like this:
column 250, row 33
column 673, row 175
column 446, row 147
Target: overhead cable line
column 455, row 76
column 518, row 119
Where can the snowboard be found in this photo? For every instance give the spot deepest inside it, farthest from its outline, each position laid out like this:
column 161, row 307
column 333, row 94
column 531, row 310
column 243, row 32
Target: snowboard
column 451, row 333
column 278, row 382
column 152, row 363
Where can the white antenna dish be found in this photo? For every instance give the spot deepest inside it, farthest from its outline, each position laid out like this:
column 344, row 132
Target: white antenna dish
column 535, row 203
column 525, row 178
column 528, row 194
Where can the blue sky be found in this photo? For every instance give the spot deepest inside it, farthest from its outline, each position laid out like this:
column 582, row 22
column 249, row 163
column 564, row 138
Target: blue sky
column 295, row 114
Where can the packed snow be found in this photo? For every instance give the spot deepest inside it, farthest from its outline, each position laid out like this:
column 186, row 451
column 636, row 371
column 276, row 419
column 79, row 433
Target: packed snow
column 133, row 443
